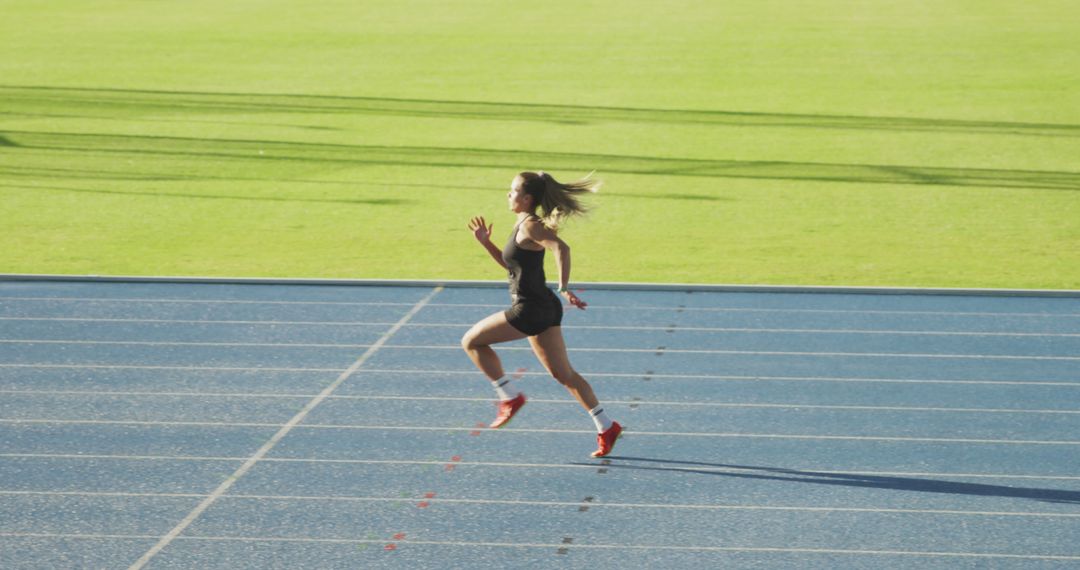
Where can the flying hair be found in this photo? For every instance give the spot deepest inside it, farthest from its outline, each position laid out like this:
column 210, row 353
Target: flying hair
column 557, row 200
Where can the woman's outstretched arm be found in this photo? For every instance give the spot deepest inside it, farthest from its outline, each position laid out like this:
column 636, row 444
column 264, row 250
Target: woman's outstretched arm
column 482, row 232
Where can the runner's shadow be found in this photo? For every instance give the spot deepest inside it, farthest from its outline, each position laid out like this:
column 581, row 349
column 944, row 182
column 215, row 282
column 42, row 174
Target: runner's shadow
column 915, row 484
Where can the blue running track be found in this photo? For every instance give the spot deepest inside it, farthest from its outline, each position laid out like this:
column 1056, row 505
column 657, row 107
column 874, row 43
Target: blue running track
column 217, row 425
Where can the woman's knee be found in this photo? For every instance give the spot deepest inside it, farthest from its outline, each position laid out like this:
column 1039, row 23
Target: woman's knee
column 565, row 376
column 471, row 341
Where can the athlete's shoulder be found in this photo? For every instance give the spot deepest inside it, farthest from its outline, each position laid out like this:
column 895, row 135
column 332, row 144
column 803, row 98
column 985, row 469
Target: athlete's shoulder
column 534, row 226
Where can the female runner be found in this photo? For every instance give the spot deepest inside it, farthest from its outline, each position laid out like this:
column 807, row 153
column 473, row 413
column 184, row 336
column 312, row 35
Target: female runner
column 536, row 312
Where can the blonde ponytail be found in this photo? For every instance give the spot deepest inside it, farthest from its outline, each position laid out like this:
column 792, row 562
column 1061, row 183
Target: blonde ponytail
column 556, row 200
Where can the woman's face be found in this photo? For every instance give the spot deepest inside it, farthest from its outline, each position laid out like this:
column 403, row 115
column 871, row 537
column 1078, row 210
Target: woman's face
column 518, row 199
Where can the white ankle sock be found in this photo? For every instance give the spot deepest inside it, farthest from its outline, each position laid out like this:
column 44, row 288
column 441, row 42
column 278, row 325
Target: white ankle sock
column 603, row 423
column 505, row 389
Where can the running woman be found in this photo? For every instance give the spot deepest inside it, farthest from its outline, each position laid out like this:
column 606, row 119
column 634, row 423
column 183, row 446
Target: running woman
column 536, row 312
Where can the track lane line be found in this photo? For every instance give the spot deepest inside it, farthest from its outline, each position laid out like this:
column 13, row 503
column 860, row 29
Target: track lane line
column 613, row 375
column 277, row 437
column 565, row 327
column 546, row 546
column 182, row 343
column 762, row 352
column 514, row 465
column 698, row 404
column 575, row 349
column 591, row 306
column 717, row 435
column 203, row 301
column 519, row 502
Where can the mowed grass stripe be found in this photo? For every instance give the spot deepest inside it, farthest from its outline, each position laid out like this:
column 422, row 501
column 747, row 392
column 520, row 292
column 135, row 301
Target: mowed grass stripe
column 121, row 103
column 504, row 159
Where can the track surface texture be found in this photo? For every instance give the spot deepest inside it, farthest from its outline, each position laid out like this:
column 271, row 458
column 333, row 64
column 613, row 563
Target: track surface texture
column 168, row 425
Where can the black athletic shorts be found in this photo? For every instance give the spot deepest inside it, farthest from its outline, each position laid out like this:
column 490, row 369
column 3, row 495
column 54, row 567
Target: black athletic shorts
column 534, row 317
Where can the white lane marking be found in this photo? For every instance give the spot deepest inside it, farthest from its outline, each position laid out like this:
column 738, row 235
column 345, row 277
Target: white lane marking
column 604, row 307
column 730, row 378
column 277, row 437
column 250, row 395
column 733, row 435
column 761, row 352
column 681, row 328
column 207, row 322
column 461, row 544
column 553, row 431
column 513, row 465
column 152, row 367
column 717, row 549
column 119, row 494
column 574, row 349
column 473, row 373
column 828, row 311
column 567, row 327
column 272, row 395
column 138, row 423
column 79, row 536
column 451, row 501
column 127, row 300
column 182, row 343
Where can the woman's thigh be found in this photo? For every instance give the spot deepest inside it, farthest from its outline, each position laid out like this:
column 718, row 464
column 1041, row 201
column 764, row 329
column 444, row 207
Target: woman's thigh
column 550, row 349
column 492, row 329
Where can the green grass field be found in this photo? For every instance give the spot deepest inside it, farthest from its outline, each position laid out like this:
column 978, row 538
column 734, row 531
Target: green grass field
column 825, row 142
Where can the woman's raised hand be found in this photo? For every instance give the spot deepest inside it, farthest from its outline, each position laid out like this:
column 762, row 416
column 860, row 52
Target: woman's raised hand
column 480, row 229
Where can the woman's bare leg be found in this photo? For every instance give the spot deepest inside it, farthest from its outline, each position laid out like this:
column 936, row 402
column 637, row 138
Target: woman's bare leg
column 477, row 343
column 550, row 349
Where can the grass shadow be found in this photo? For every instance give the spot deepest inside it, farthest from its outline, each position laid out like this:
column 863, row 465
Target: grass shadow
column 128, row 104
column 155, row 176
column 667, row 196
column 218, row 155
column 364, row 202
column 138, row 119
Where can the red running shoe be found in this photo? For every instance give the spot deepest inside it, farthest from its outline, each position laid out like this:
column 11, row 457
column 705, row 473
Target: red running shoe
column 607, row 440
column 507, row 409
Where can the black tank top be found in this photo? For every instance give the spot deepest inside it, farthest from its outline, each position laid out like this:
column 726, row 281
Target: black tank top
column 526, row 271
